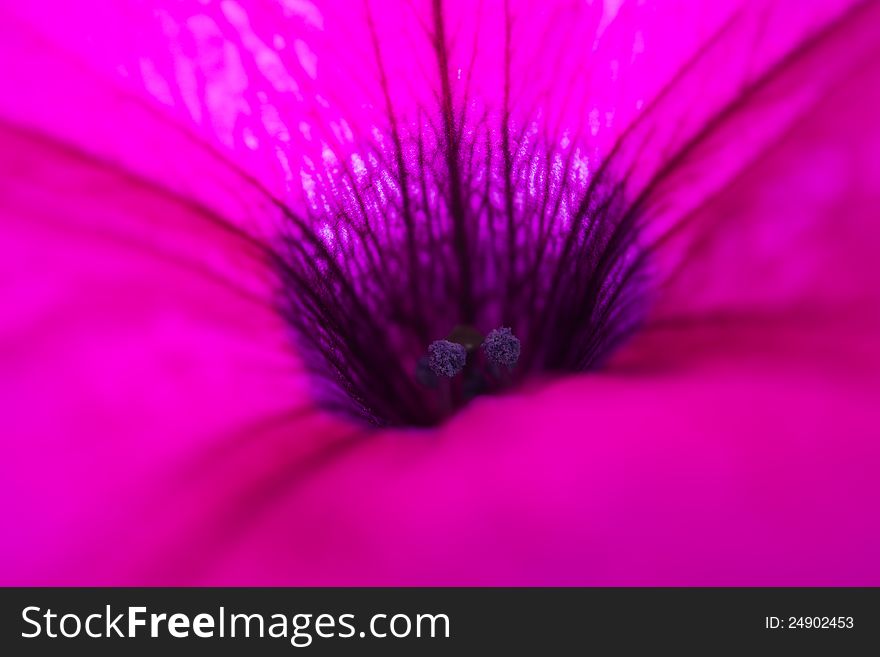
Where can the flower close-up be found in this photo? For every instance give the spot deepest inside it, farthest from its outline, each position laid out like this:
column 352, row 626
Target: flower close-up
column 434, row 292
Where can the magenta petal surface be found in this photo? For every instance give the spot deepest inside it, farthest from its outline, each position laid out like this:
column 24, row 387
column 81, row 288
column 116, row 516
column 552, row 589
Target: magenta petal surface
column 159, row 424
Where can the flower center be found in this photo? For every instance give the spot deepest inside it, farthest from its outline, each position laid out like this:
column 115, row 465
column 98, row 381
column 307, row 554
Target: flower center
column 415, row 244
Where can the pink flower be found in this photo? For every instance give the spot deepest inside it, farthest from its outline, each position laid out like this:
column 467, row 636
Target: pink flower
column 171, row 414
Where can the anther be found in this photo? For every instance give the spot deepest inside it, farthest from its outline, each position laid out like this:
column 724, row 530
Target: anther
column 446, row 358
column 502, row 347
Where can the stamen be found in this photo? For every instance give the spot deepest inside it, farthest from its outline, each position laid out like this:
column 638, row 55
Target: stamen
column 483, row 370
column 502, row 347
column 446, row 358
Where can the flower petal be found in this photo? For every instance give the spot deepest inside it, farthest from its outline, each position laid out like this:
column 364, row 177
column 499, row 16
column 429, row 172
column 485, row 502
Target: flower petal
column 734, row 442
column 158, row 428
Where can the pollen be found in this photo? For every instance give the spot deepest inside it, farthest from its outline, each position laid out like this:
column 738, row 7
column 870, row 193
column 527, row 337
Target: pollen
column 502, row 347
column 446, row 358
